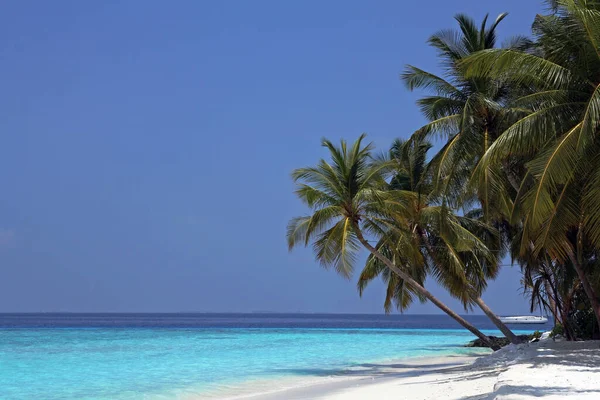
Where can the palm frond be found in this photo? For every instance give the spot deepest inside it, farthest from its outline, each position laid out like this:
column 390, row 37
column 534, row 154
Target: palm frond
column 590, row 121
column 416, row 78
column 519, row 67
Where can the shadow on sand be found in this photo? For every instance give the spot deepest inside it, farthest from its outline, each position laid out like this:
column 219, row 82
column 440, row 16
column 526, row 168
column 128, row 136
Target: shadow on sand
column 575, row 359
column 392, row 370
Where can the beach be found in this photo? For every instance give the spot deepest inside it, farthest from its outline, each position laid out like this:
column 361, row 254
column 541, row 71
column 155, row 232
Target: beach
column 280, row 357
column 548, row 369
column 215, row 356
column 300, row 200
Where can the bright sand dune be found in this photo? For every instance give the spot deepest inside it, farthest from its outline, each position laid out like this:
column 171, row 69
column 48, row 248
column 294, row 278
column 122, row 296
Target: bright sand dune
column 548, row 370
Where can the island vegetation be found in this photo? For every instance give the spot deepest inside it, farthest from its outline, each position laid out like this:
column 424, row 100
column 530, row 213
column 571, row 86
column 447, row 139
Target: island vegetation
column 517, row 174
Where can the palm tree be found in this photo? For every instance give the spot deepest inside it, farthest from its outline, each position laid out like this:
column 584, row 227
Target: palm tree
column 349, row 196
column 435, row 241
column 558, row 204
column 468, row 114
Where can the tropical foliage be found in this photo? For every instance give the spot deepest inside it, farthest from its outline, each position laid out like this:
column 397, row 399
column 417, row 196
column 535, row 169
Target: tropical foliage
column 467, row 114
column 518, row 173
column 349, row 196
column 460, row 251
column 557, row 207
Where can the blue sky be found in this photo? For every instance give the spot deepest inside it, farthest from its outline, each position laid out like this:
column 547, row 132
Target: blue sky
column 147, row 145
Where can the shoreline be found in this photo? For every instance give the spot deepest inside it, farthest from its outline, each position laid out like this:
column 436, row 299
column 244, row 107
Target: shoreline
column 291, row 387
column 376, row 374
column 554, row 370
column 115, row 359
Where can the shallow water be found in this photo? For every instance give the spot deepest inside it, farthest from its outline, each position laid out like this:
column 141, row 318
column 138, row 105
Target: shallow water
column 170, row 356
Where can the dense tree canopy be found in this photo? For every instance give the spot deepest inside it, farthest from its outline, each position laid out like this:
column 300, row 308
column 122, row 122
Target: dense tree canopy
column 518, row 173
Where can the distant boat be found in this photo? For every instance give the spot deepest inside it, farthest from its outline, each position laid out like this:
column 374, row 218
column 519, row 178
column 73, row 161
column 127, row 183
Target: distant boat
column 524, row 319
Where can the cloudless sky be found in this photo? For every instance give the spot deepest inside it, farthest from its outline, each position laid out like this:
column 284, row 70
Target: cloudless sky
column 146, row 146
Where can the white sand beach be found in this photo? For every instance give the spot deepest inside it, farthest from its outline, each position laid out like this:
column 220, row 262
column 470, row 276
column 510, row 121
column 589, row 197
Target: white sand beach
column 548, row 369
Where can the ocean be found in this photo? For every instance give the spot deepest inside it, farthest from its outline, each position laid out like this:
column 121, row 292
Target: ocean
column 197, row 356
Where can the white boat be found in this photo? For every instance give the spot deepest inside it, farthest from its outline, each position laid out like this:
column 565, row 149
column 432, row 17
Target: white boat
column 524, row 319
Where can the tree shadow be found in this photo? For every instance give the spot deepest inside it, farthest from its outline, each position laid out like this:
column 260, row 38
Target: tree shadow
column 532, row 391
column 584, row 359
column 574, row 357
column 394, row 370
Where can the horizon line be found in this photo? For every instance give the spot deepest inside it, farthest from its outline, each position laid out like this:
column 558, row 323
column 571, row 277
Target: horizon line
column 229, row 312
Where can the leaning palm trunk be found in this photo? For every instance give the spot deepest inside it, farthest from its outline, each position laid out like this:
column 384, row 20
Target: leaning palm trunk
column 514, row 339
column 341, row 194
column 484, row 307
column 427, row 294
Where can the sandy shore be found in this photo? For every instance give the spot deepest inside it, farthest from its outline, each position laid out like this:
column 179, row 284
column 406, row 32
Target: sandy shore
column 552, row 370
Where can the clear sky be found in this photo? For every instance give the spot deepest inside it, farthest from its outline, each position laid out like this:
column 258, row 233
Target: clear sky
column 146, row 146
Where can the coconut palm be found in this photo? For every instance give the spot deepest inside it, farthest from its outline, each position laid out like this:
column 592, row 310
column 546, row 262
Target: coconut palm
column 467, row 114
column 347, row 197
column 454, row 249
column 558, row 205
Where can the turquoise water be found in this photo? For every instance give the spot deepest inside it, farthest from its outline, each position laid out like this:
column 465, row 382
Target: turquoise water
column 164, row 363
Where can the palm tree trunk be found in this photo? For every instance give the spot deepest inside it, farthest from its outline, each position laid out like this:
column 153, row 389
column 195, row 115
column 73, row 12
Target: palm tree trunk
column 569, row 333
column 557, row 301
column 486, row 310
column 514, row 339
column 424, row 291
column 551, row 301
column 558, row 309
column 587, row 288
